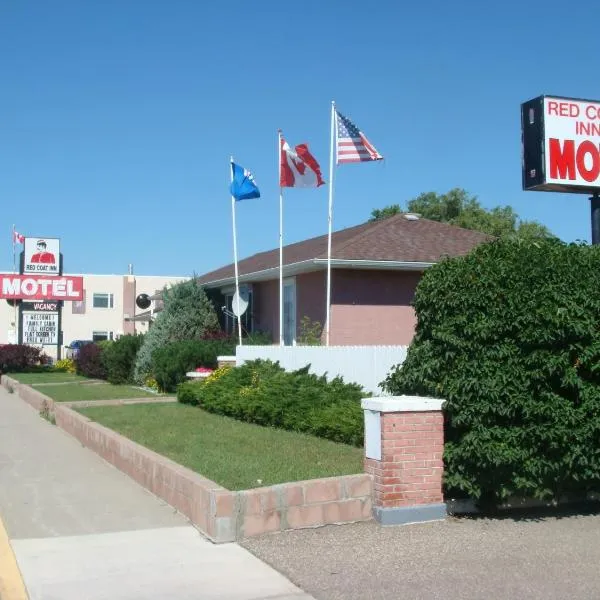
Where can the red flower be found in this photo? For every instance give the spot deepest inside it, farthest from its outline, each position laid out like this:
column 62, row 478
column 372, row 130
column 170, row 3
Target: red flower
column 204, row 370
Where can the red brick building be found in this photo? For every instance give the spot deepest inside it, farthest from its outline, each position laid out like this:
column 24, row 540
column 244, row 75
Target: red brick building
column 375, row 270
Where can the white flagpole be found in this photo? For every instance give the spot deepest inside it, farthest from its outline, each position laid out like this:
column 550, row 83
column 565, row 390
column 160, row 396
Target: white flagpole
column 281, row 340
column 16, row 316
column 235, row 260
column 330, row 222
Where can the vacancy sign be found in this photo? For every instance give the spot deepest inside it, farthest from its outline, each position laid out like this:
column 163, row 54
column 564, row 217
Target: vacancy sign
column 40, row 328
column 42, row 255
column 31, row 287
column 561, row 144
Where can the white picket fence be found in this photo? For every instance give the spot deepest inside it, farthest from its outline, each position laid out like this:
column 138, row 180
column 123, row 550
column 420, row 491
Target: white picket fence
column 366, row 365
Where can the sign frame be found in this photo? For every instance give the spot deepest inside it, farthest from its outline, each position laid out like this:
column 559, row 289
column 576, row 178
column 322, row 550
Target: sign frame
column 536, row 129
column 41, row 256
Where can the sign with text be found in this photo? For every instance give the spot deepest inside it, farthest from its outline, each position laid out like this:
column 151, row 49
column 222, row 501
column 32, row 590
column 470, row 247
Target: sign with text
column 30, row 287
column 42, row 306
column 41, row 255
column 40, row 328
column 561, row 144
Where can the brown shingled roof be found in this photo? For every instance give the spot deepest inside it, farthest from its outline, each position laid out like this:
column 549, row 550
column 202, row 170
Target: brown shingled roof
column 393, row 239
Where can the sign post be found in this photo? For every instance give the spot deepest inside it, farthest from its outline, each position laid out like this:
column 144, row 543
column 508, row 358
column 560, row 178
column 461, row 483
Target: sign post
column 561, row 149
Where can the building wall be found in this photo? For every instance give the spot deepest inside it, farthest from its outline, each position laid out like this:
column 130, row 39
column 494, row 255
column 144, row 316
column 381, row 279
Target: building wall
column 372, row 307
column 266, row 307
column 81, row 326
column 367, row 307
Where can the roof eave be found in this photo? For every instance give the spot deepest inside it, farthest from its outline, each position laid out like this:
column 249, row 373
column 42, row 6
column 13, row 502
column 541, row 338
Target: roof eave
column 318, row 264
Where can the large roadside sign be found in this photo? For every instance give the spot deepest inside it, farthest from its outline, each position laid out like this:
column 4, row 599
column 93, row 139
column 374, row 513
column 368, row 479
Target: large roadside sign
column 561, row 144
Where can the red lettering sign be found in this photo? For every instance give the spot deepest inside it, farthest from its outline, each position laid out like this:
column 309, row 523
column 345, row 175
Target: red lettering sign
column 35, row 287
column 567, row 160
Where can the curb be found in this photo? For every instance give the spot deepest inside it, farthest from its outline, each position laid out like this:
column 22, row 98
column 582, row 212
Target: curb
column 12, row 586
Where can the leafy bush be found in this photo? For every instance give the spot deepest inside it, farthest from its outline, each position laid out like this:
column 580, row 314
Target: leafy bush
column 188, row 314
column 310, row 332
column 119, row 358
column 173, row 361
column 509, row 336
column 20, row 357
column 262, row 392
column 65, row 365
column 90, row 362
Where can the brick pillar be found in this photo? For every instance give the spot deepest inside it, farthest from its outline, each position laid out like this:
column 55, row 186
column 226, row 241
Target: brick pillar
column 404, row 442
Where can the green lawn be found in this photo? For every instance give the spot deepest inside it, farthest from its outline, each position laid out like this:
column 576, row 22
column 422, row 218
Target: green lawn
column 70, row 392
column 234, row 454
column 35, row 378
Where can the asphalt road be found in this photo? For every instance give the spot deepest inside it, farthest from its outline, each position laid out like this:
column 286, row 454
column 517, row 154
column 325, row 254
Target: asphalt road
column 544, row 557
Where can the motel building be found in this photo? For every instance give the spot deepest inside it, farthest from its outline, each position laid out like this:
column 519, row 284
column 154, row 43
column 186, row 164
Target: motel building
column 107, row 311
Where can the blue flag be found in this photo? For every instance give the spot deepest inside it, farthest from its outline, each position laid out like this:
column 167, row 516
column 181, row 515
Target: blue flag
column 243, row 186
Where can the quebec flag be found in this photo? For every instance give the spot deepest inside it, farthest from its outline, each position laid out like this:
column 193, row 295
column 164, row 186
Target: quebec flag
column 243, row 186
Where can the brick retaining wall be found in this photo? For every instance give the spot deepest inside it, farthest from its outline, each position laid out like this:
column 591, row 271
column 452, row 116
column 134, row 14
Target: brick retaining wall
column 221, row 514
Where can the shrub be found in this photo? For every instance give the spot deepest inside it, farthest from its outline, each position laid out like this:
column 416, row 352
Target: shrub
column 90, row 362
column 20, row 357
column 262, row 392
column 310, row 332
column 188, row 314
column 509, row 336
column 173, row 361
column 65, row 365
column 119, row 358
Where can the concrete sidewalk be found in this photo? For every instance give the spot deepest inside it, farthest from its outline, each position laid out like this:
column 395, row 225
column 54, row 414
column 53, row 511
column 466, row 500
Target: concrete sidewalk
column 81, row 529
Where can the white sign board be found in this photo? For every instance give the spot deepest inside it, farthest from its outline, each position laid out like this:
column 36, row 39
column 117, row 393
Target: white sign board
column 42, row 255
column 572, row 142
column 40, row 328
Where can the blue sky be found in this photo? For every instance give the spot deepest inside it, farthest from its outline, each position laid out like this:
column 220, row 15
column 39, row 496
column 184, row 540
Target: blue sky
column 118, row 117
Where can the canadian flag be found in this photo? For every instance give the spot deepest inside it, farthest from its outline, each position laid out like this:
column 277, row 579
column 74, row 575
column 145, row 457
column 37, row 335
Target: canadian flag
column 299, row 167
column 18, row 238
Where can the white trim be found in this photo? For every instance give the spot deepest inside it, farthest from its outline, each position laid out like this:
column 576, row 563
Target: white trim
column 391, row 404
column 318, row 264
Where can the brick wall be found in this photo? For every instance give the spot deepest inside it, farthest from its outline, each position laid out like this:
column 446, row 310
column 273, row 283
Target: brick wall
column 223, row 515
column 411, row 468
column 404, row 445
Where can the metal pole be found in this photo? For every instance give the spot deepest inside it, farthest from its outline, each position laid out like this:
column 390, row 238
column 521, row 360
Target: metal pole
column 281, row 338
column 595, row 205
column 235, row 261
column 329, row 229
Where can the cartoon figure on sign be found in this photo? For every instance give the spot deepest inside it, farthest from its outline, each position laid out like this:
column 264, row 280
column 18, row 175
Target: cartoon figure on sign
column 41, row 256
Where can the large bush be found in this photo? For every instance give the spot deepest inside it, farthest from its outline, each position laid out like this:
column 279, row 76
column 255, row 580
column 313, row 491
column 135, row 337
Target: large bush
column 188, row 314
column 173, row 361
column 20, row 357
column 262, row 392
column 90, row 362
column 119, row 358
column 510, row 336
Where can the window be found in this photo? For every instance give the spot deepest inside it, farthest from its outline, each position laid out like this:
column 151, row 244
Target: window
column 99, row 336
column 289, row 312
column 103, row 301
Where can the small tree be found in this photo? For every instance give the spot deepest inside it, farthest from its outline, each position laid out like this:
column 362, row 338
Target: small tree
column 188, row 314
column 509, row 336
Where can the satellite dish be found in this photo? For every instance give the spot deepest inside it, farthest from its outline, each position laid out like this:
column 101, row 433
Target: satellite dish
column 143, row 301
column 243, row 303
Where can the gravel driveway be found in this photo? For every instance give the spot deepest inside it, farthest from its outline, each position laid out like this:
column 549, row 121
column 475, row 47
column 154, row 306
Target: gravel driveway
column 545, row 557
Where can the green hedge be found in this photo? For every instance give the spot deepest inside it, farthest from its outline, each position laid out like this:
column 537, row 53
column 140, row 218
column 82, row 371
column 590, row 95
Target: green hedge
column 119, row 358
column 262, row 392
column 510, row 336
column 171, row 362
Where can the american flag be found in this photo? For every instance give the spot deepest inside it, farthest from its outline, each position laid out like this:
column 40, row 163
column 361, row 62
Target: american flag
column 352, row 145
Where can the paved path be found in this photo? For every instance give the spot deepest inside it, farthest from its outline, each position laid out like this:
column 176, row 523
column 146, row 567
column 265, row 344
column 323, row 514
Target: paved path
column 80, row 529
column 544, row 558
